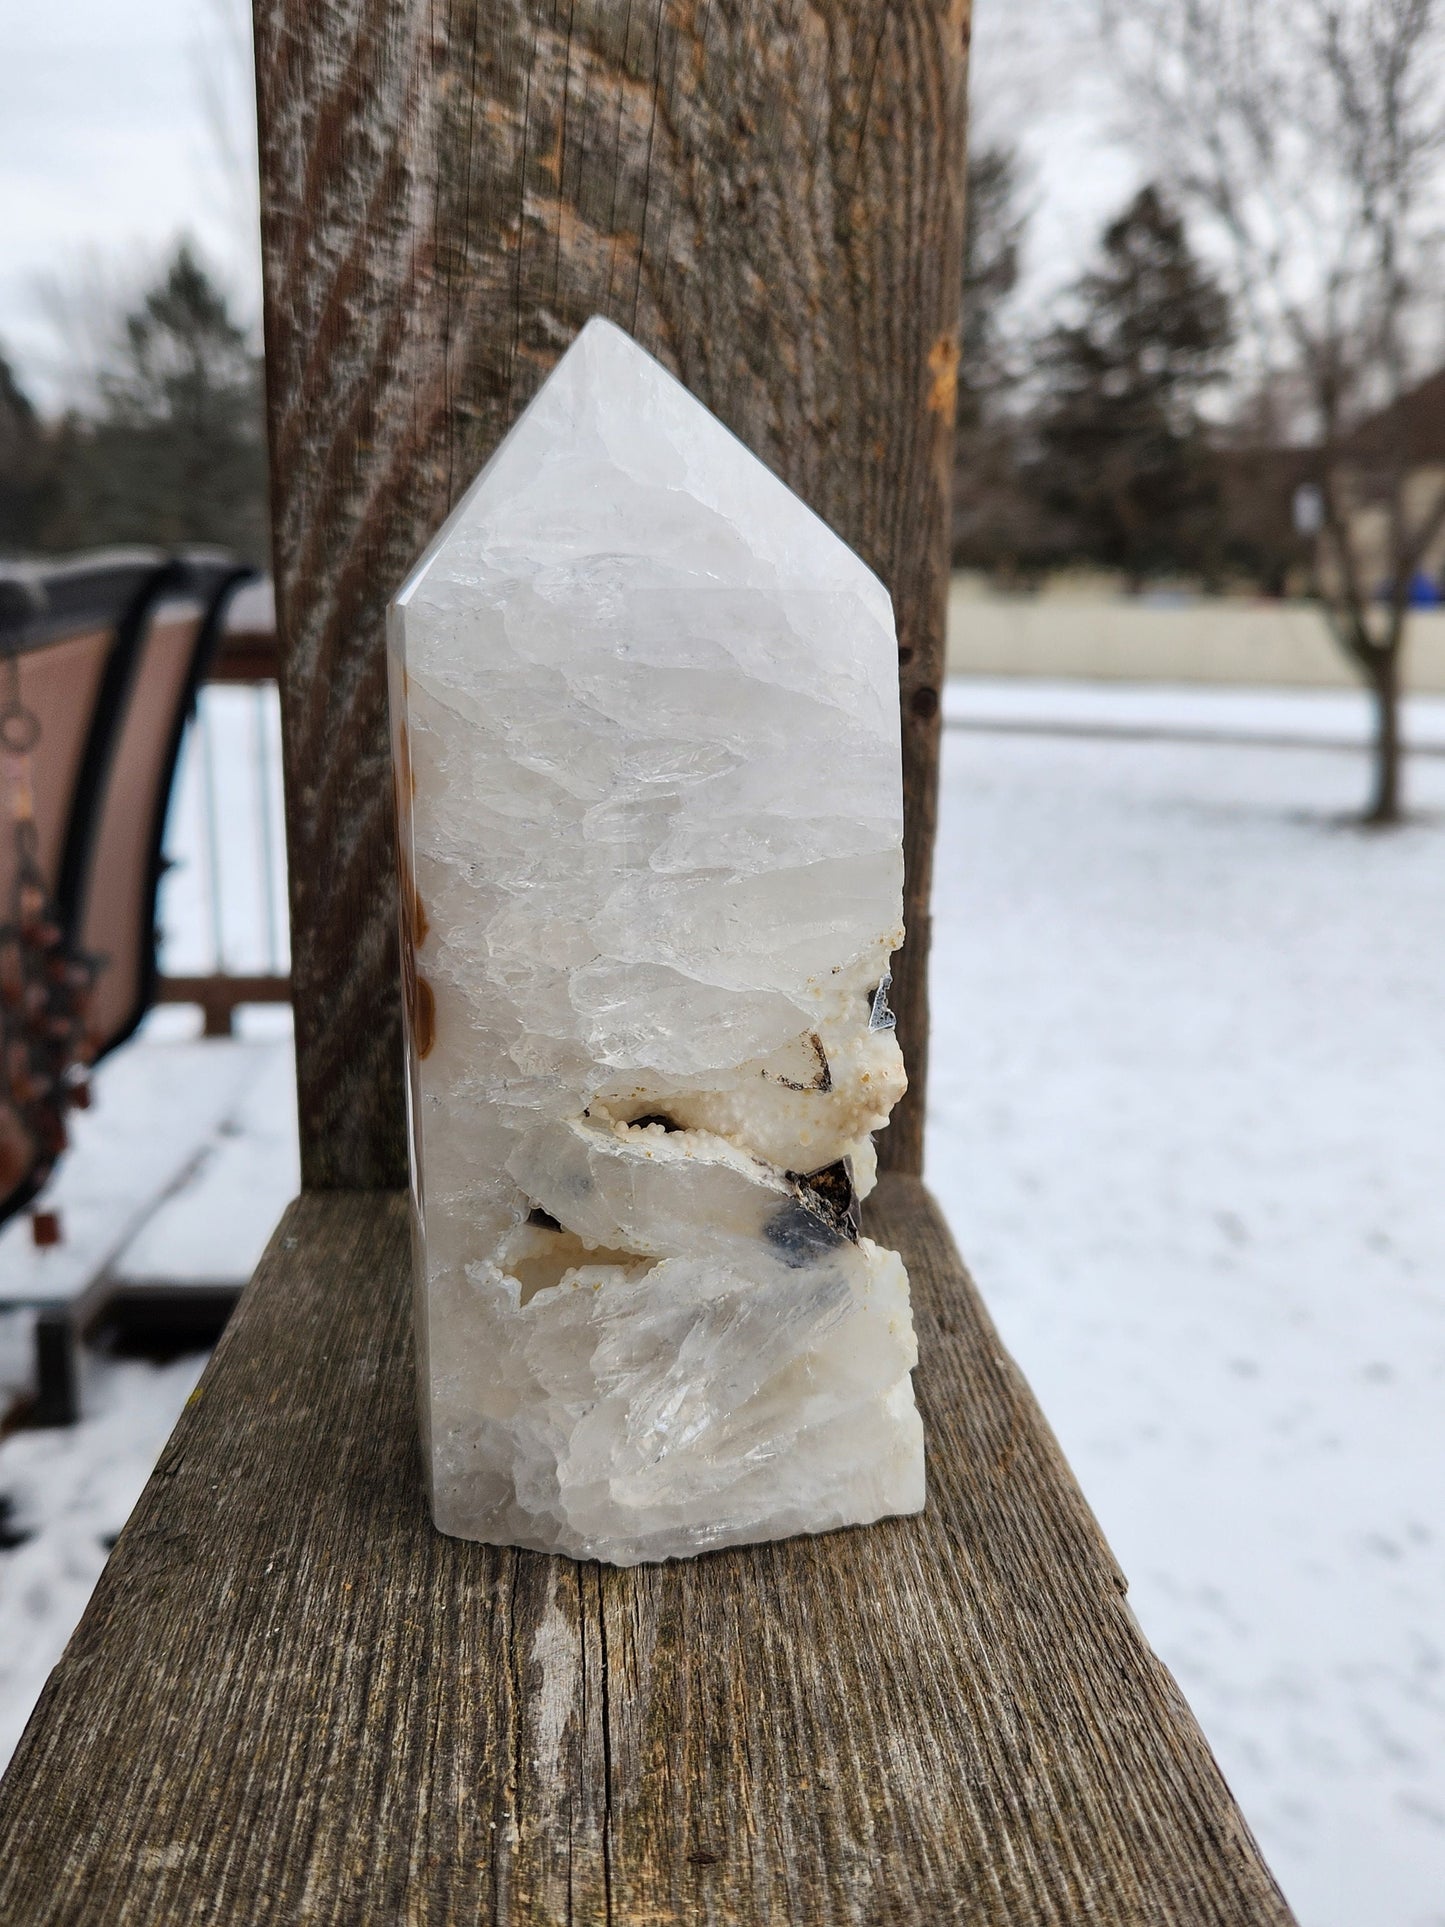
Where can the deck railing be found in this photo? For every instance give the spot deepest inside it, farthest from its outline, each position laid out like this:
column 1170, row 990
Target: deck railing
column 224, row 933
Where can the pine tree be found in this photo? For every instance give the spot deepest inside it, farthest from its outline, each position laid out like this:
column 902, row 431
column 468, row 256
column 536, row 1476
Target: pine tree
column 994, row 516
column 27, row 477
column 1124, row 460
column 992, row 237
column 176, row 453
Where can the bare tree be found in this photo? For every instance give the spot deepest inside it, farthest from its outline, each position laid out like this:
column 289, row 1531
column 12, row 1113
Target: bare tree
column 1311, row 135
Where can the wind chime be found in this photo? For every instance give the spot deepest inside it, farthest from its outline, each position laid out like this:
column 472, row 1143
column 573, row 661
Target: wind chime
column 46, row 1047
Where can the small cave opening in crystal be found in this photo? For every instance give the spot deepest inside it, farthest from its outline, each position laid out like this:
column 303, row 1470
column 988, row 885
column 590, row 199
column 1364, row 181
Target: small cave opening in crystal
column 541, row 1252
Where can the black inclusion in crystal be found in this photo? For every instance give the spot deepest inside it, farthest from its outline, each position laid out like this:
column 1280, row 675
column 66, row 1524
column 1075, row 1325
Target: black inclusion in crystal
column 880, row 1017
column 824, row 1215
column 822, row 1078
column 830, row 1192
column 799, row 1235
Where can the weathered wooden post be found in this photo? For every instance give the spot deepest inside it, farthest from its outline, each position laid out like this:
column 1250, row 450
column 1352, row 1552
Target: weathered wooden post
column 769, row 198
column 291, row 1699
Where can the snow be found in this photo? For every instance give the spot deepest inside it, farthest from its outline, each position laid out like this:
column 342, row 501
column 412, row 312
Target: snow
column 71, row 1490
column 223, row 903
column 214, row 1229
column 1278, row 717
column 186, row 1145
column 1187, row 1118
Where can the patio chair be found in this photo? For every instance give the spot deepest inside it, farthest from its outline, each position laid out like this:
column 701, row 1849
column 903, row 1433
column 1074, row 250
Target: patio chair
column 111, row 892
column 68, row 635
column 110, row 700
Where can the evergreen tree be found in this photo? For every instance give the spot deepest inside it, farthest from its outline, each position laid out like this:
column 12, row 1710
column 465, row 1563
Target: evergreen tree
column 27, row 476
column 992, row 237
column 1124, row 461
column 176, row 453
column 994, row 516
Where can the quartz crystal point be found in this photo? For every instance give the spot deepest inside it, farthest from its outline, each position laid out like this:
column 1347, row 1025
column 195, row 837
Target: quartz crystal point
column 646, row 742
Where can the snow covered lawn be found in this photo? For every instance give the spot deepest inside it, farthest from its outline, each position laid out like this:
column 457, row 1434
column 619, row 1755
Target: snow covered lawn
column 1188, row 1121
column 70, row 1491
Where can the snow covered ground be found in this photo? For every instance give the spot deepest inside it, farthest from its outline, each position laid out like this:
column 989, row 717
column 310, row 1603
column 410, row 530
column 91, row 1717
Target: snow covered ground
column 1188, row 1117
column 1188, row 1121
column 70, row 1492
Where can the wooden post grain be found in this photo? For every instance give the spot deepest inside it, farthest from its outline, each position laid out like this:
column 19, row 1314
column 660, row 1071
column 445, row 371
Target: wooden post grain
column 767, row 196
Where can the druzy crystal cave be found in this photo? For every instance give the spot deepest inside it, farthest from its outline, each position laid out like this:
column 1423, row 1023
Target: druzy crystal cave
column 646, row 742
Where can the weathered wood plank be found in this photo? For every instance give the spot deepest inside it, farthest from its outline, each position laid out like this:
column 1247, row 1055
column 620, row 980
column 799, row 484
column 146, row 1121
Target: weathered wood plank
column 768, row 197
column 292, row 1700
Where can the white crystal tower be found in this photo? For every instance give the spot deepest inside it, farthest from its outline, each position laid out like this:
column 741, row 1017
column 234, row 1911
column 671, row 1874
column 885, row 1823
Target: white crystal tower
column 645, row 726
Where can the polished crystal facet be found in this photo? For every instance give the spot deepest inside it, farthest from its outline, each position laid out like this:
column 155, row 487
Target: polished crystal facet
column 645, row 725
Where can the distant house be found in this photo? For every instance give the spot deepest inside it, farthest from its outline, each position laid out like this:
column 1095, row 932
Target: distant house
column 1262, row 485
column 1407, row 437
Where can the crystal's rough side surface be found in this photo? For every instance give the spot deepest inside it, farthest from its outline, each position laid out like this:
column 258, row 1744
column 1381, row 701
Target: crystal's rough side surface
column 646, row 743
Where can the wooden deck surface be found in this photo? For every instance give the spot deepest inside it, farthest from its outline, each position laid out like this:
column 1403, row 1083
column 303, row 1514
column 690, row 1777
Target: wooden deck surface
column 292, row 1700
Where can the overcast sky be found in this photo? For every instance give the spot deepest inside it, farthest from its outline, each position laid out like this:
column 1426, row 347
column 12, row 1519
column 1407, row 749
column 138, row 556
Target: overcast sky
column 109, row 145
column 107, row 150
